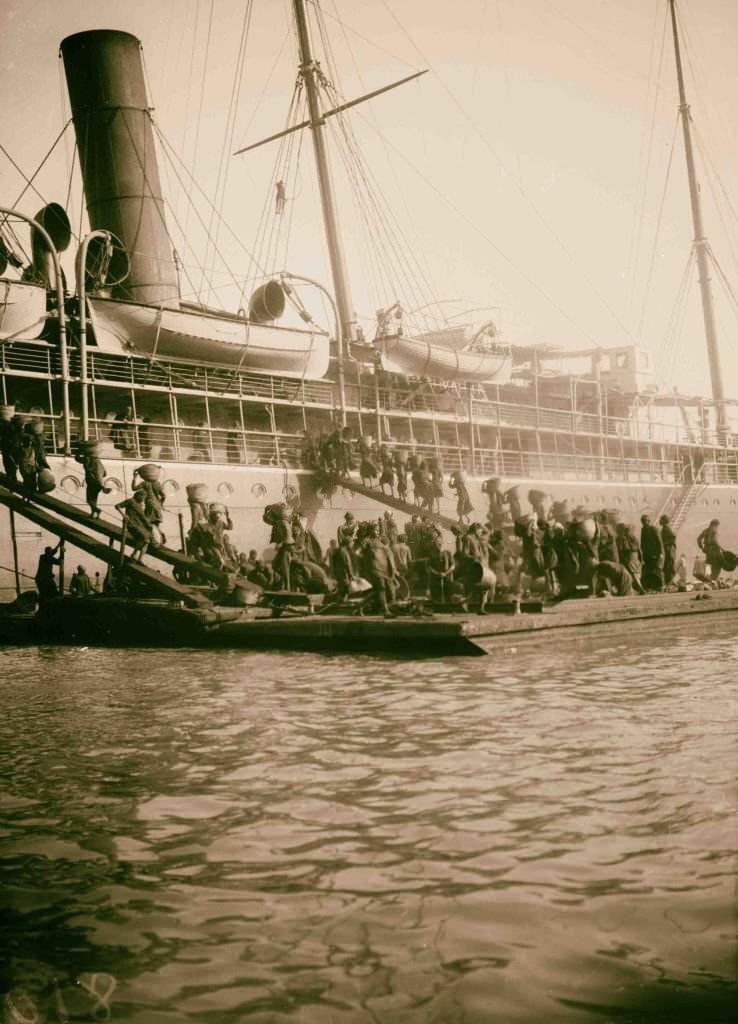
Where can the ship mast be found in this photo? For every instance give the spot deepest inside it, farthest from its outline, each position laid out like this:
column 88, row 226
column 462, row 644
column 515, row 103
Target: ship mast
column 309, row 70
column 700, row 242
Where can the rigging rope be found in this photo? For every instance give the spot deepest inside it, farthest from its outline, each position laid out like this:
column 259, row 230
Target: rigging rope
column 507, row 259
column 374, row 213
column 29, row 181
column 666, row 353
column 724, row 279
column 172, row 155
column 524, row 194
column 418, row 275
column 221, row 180
column 637, row 231
column 652, row 262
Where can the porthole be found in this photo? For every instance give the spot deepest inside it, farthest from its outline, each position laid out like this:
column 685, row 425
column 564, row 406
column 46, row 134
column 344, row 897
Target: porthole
column 113, row 485
column 258, row 490
column 224, row 488
column 289, row 492
column 170, row 486
column 71, row 484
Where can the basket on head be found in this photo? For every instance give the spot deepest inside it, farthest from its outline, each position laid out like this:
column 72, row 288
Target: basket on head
column 196, row 492
column 46, row 481
column 588, row 528
column 150, row 472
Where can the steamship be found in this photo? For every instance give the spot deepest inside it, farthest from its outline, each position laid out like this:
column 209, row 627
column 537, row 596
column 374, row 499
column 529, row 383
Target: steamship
column 119, row 354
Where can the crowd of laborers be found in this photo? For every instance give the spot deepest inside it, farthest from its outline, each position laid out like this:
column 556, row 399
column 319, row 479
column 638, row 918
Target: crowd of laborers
column 23, row 452
column 548, row 550
column 386, row 466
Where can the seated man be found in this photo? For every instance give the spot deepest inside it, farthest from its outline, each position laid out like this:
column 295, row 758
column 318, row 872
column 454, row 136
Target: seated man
column 611, row 577
column 80, row 584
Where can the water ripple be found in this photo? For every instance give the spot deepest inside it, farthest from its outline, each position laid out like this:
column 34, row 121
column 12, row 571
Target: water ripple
column 237, row 836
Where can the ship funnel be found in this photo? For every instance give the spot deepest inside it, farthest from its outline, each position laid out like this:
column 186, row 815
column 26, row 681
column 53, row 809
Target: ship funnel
column 115, row 139
column 267, row 302
column 53, row 218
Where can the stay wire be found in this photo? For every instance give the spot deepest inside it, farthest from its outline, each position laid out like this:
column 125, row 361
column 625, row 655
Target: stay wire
column 198, row 123
column 657, row 233
column 29, row 181
column 507, row 259
column 422, row 285
column 173, row 155
column 422, row 272
column 647, row 146
column 585, row 277
column 221, row 181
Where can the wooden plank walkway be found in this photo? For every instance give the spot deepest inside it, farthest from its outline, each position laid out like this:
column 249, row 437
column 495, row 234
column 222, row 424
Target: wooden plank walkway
column 112, row 531
column 399, row 506
column 592, row 611
column 110, row 555
column 463, row 634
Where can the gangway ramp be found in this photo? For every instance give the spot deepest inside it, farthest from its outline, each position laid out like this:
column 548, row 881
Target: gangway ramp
column 112, row 531
column 51, row 522
column 396, row 503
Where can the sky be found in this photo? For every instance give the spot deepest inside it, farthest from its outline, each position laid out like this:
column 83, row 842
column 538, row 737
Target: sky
column 533, row 173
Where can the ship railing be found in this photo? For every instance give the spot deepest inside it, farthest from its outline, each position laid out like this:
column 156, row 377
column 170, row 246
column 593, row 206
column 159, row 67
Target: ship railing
column 162, row 442
column 38, row 359
column 29, row 358
column 216, row 381
column 236, row 445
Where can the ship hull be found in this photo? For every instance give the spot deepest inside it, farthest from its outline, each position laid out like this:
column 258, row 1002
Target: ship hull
column 247, row 490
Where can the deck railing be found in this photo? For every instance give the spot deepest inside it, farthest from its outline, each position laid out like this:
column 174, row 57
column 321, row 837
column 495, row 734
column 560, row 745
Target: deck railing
column 162, row 442
column 41, row 360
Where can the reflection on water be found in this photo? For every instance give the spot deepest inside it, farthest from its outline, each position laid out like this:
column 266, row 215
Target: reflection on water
column 546, row 834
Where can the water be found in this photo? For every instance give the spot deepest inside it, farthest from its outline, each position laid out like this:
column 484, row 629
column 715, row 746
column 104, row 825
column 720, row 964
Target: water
column 544, row 835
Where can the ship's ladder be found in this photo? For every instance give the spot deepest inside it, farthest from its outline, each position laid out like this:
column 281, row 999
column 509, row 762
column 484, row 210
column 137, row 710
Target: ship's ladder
column 376, row 494
column 109, row 553
column 679, row 502
column 113, row 532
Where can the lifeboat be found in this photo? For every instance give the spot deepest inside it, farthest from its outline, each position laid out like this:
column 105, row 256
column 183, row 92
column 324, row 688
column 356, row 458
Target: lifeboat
column 459, row 353
column 22, row 310
column 215, row 338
